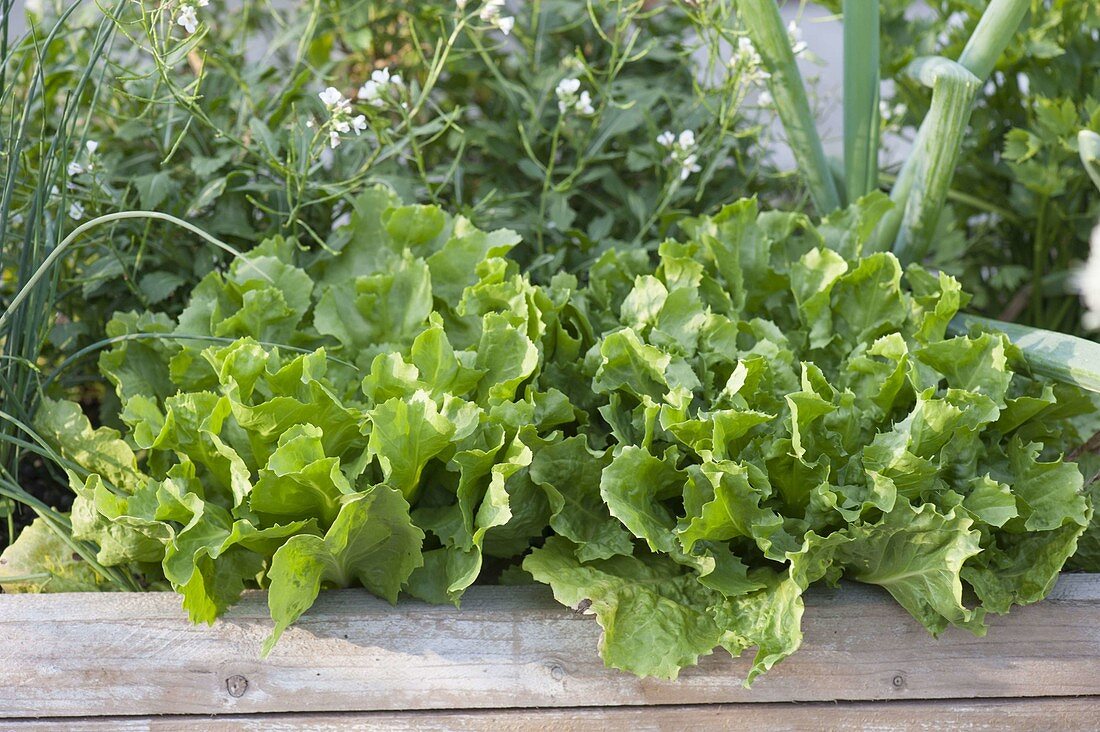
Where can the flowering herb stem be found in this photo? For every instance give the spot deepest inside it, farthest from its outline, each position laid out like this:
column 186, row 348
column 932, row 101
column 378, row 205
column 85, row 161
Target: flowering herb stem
column 767, row 32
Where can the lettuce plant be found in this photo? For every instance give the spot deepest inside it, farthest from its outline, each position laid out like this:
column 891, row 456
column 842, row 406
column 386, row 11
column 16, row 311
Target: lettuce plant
column 783, row 409
column 682, row 451
column 402, row 375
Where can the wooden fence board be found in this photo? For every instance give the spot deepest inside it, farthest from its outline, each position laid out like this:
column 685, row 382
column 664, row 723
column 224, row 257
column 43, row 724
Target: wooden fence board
column 136, row 654
column 1065, row 714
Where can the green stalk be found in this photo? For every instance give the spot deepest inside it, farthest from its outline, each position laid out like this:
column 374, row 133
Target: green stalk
column 861, row 95
column 1057, row 356
column 1088, row 145
column 953, row 91
column 767, row 32
column 992, row 35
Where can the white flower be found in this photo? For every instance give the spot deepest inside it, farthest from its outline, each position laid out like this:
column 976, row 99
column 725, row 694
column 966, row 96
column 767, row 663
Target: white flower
column 203, row 3
column 341, row 125
column 566, row 92
column 584, row 104
column 568, row 87
column 460, row 4
column 333, row 99
column 333, row 138
column 568, row 98
column 765, row 99
column 794, row 33
column 91, row 146
column 187, row 18
column 681, row 151
column 956, row 21
column 746, row 53
column 382, row 77
column 1087, row 282
column 371, row 94
column 74, row 168
column 746, row 60
column 76, row 211
column 688, row 166
column 359, row 124
column 373, row 90
column 490, row 11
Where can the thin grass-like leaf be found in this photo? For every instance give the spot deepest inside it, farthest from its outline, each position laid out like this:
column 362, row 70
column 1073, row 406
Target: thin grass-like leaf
column 49, row 261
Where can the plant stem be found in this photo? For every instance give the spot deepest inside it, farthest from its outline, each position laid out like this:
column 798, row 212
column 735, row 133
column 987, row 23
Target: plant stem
column 861, row 95
column 1038, row 253
column 767, row 32
column 994, row 31
column 953, row 91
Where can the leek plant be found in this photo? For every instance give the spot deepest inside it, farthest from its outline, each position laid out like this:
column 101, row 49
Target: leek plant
column 922, row 187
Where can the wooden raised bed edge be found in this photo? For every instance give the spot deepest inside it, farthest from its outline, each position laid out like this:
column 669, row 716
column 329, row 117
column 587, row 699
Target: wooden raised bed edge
column 355, row 661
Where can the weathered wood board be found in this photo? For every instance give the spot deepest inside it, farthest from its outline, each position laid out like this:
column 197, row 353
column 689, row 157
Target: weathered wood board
column 1064, row 714
column 136, row 655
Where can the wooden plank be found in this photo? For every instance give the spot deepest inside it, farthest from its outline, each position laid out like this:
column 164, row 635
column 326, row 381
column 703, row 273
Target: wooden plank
column 110, row 654
column 1065, row 714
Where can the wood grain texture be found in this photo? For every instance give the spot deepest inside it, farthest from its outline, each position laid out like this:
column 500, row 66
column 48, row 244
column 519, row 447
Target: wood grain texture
column 1065, row 714
column 136, row 654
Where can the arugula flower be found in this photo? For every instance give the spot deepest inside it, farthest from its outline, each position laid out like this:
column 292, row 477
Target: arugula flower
column 794, row 34
column 491, row 13
column 681, row 149
column 570, row 96
column 186, row 16
column 380, row 85
column 747, row 62
column 341, row 120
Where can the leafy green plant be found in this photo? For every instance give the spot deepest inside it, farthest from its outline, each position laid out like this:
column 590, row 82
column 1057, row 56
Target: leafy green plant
column 697, row 443
column 265, row 121
column 787, row 408
column 289, row 417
